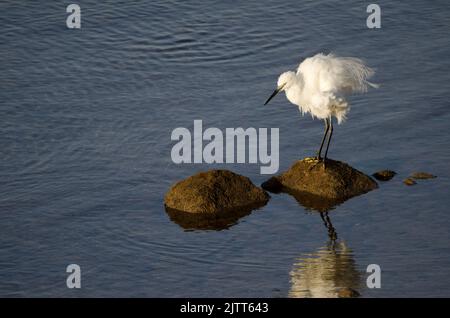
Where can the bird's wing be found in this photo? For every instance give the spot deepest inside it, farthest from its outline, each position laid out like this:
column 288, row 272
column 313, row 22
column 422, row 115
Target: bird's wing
column 340, row 75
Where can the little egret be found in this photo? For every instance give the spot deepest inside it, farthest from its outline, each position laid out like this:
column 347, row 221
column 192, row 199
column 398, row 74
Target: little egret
column 320, row 87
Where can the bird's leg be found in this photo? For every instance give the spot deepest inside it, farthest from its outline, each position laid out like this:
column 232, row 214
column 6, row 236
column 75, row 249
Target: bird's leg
column 327, row 127
column 329, row 138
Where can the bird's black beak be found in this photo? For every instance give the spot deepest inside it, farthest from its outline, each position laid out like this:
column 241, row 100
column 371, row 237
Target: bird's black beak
column 275, row 92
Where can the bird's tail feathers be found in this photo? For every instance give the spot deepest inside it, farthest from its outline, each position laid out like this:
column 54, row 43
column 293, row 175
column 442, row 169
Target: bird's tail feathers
column 355, row 74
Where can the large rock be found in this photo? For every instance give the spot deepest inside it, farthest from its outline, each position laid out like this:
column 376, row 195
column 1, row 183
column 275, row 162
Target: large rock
column 213, row 199
column 318, row 186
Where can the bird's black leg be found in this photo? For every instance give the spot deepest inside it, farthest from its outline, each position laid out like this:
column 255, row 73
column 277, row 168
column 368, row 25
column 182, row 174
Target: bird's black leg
column 327, row 127
column 330, row 123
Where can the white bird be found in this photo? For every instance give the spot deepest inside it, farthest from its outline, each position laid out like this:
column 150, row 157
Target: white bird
column 320, row 87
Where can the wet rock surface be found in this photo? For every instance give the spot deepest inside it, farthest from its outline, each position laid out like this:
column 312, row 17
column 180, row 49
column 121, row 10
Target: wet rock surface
column 321, row 186
column 213, row 199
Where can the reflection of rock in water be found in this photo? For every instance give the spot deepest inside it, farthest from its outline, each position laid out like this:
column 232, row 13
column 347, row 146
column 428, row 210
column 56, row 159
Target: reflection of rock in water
column 325, row 273
column 313, row 202
column 207, row 221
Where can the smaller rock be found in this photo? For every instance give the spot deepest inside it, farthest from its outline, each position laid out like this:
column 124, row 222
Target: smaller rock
column 348, row 293
column 409, row 182
column 384, row 175
column 422, row 175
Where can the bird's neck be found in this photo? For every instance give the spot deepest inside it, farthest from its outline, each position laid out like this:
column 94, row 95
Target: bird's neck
column 294, row 91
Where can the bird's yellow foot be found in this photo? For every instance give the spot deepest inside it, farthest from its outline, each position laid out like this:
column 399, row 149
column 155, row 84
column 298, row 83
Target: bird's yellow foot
column 314, row 161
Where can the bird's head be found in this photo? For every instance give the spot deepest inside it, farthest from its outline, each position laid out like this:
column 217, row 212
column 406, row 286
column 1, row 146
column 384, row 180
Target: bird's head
column 285, row 81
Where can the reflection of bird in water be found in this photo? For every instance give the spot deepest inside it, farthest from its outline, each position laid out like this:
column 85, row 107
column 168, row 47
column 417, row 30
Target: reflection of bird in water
column 330, row 271
column 327, row 222
column 327, row 272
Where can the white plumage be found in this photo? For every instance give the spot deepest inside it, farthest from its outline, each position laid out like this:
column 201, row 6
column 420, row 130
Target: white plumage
column 321, row 86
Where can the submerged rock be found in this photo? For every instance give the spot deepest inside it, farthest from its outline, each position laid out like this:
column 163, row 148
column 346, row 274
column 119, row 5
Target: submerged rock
column 409, row 182
column 422, row 175
column 213, row 199
column 321, row 186
column 384, row 175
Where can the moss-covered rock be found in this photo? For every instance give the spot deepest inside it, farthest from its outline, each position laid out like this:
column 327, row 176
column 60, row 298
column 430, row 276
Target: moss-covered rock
column 321, row 186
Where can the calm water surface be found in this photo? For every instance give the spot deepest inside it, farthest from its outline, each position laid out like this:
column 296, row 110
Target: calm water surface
column 85, row 123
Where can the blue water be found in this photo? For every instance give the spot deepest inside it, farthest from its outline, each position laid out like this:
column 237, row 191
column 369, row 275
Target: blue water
column 85, row 123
